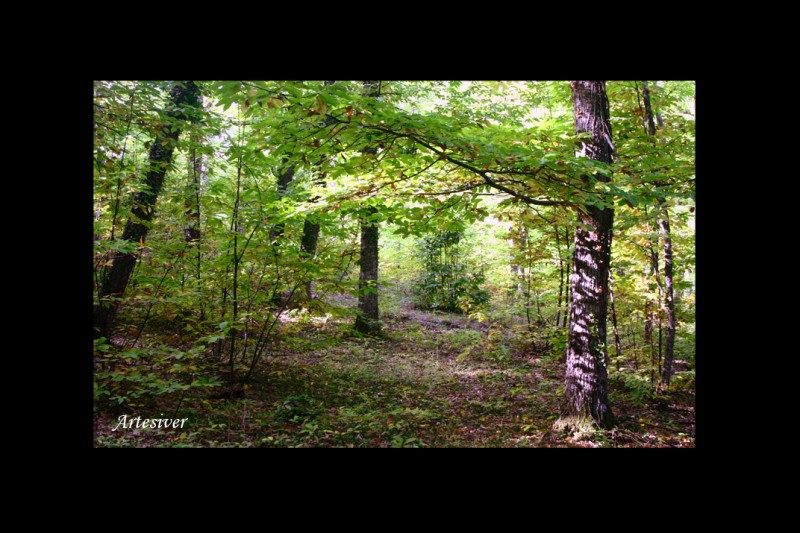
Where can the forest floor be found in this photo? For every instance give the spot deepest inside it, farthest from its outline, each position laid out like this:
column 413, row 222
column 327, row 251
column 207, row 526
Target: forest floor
column 434, row 380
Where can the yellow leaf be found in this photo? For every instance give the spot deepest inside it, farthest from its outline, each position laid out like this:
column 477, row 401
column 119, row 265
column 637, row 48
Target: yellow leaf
column 320, row 106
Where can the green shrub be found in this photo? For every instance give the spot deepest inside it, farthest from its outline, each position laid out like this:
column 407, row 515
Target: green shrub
column 446, row 283
column 134, row 377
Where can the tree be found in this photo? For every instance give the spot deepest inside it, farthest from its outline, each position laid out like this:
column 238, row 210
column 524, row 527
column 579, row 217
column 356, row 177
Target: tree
column 184, row 96
column 311, row 227
column 664, row 230
column 368, row 312
column 285, row 177
column 586, row 395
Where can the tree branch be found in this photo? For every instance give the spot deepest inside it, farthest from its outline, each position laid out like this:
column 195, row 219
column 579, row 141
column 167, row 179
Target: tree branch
column 482, row 173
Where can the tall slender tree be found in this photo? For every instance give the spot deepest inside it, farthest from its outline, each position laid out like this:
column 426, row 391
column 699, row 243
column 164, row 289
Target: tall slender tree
column 185, row 102
column 285, row 177
column 664, row 230
column 192, row 230
column 617, row 341
column 586, row 395
column 368, row 312
column 308, row 243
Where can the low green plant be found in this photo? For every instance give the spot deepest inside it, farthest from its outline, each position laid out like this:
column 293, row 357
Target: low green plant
column 446, row 282
column 636, row 385
column 135, row 377
column 297, row 409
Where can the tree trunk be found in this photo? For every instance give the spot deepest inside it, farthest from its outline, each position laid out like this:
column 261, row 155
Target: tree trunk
column 669, row 347
column 182, row 96
column 560, row 278
column 648, row 321
column 192, row 230
column 368, row 313
column 617, row 342
column 586, row 396
column 285, row 177
column 367, row 319
column 664, row 230
column 192, row 199
column 648, row 110
column 568, row 290
column 308, row 245
column 651, row 310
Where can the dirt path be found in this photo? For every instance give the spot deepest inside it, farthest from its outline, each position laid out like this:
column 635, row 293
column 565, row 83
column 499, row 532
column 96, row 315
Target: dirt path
column 434, row 380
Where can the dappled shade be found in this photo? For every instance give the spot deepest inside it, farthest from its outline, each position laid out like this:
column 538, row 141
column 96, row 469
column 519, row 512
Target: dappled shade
column 394, row 263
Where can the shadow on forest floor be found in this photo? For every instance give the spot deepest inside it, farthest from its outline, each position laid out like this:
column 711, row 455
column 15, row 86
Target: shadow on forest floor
column 433, row 380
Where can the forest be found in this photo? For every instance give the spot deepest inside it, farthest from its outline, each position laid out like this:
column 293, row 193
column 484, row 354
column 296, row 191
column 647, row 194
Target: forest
column 394, row 264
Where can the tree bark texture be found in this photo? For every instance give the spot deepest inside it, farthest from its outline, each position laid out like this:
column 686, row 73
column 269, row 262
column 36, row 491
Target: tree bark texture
column 183, row 96
column 285, row 177
column 648, row 110
column 586, row 395
column 367, row 320
column 368, row 312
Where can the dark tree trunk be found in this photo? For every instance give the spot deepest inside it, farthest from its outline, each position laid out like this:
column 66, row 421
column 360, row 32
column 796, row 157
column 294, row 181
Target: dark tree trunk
column 367, row 320
column 192, row 231
column 648, row 110
column 285, row 177
column 368, row 314
column 308, row 246
column 649, row 317
column 586, row 396
column 308, row 242
column 664, row 230
column 183, row 96
column 648, row 322
column 192, row 198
